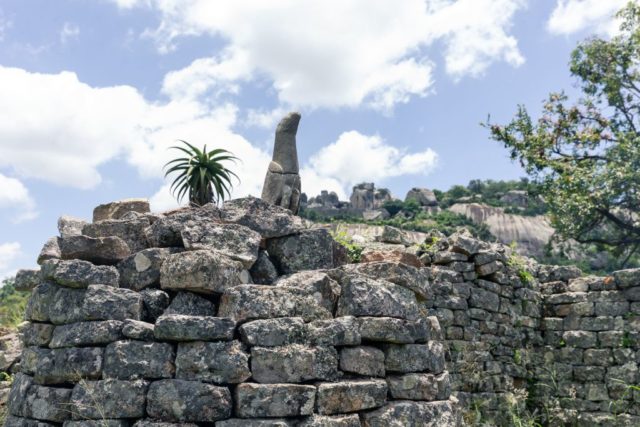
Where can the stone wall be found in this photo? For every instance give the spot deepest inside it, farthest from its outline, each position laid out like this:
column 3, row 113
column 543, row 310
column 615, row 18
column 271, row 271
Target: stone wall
column 243, row 316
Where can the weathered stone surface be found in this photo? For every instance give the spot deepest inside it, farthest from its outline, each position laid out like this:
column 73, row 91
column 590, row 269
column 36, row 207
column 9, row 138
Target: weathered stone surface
column 267, row 219
column 232, row 240
column 248, row 302
column 489, row 268
column 420, row 386
column 154, row 303
column 131, row 231
column 412, row 414
column 274, row 332
column 363, row 360
column 282, row 182
column 70, row 226
column 10, row 349
column 331, row 421
column 118, row 209
column 38, row 334
column 107, row 303
column 138, row 330
column 339, row 331
column 97, row 423
column 481, row 298
column 201, row 271
column 627, row 278
column 86, row 334
column 50, row 250
column 393, row 235
column 190, row 304
column 100, row 250
column 316, row 284
column 464, row 243
column 79, row 274
column 394, row 256
column 308, row 250
column 362, row 296
column 350, row 396
column 96, row 400
column 126, row 360
column 293, row 363
column 257, row 422
column 188, row 401
column 68, row 365
column 263, row 272
column 154, row 423
column 274, row 400
column 410, row 277
column 398, row 331
column 26, row 280
column 30, row 400
column 56, row 304
column 142, row 269
column 166, row 231
column 12, row 421
column 178, row 327
column 415, row 357
column 223, row 362
column 423, row 196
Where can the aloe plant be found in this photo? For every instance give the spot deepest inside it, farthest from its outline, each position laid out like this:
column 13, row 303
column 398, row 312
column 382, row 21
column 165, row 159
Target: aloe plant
column 201, row 175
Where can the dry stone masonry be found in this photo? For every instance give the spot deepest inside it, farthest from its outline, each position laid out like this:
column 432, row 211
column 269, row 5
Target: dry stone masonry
column 240, row 316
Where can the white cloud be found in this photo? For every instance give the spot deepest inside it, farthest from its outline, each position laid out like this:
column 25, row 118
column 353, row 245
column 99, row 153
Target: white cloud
column 336, row 53
column 14, row 196
column 571, row 16
column 355, row 158
column 265, row 118
column 68, row 32
column 66, row 130
column 8, row 254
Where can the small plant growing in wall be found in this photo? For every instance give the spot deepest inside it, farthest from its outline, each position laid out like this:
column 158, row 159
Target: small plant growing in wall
column 201, row 175
column 354, row 251
column 519, row 265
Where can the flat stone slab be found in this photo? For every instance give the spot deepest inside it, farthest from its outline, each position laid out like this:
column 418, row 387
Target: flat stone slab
column 415, row 357
column 36, row 334
column 249, row 302
column 177, row 327
column 26, row 279
column 350, row 396
column 166, row 231
column 100, row 250
column 128, row 360
column 118, row 209
column 130, row 230
column 420, row 386
column 362, row 360
column 201, row 271
column 338, row 331
column 316, row 284
column 86, row 333
column 412, row 414
column 142, row 269
column 362, row 296
column 108, row 303
column 274, row 400
column 29, row 400
column 223, row 362
column 188, row 401
column 233, row 240
column 267, row 219
column 308, row 250
column 138, row 330
column 96, row 400
column 79, row 274
column 407, row 276
column 56, row 304
column 351, row 420
column 293, row 363
column 274, row 332
column 392, row 330
column 68, row 365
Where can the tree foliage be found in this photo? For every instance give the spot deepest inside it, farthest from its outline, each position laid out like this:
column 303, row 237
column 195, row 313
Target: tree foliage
column 586, row 154
column 201, row 175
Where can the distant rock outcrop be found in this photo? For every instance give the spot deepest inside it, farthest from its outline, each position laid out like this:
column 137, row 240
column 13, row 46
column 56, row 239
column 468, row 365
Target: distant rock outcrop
column 282, row 182
column 530, row 233
column 423, row 196
column 365, row 196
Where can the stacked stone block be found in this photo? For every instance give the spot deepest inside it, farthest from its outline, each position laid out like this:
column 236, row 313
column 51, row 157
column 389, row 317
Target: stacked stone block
column 234, row 317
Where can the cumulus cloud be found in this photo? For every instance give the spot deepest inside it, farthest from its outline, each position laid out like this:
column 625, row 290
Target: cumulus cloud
column 15, row 197
column 354, row 158
column 344, row 53
column 47, row 137
column 571, row 16
column 8, row 254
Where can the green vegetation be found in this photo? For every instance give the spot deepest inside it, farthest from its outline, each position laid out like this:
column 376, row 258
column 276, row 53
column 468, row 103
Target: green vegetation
column 201, row 175
column 517, row 263
column 354, row 251
column 585, row 155
column 12, row 305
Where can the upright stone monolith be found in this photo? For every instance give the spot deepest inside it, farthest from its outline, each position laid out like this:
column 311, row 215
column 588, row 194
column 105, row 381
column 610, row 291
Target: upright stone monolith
column 282, row 183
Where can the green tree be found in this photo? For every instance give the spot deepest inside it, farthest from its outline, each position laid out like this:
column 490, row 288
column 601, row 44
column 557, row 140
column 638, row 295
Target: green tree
column 586, row 154
column 201, row 175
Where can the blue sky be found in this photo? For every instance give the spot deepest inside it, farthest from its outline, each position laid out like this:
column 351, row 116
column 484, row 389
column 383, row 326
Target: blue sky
column 93, row 92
